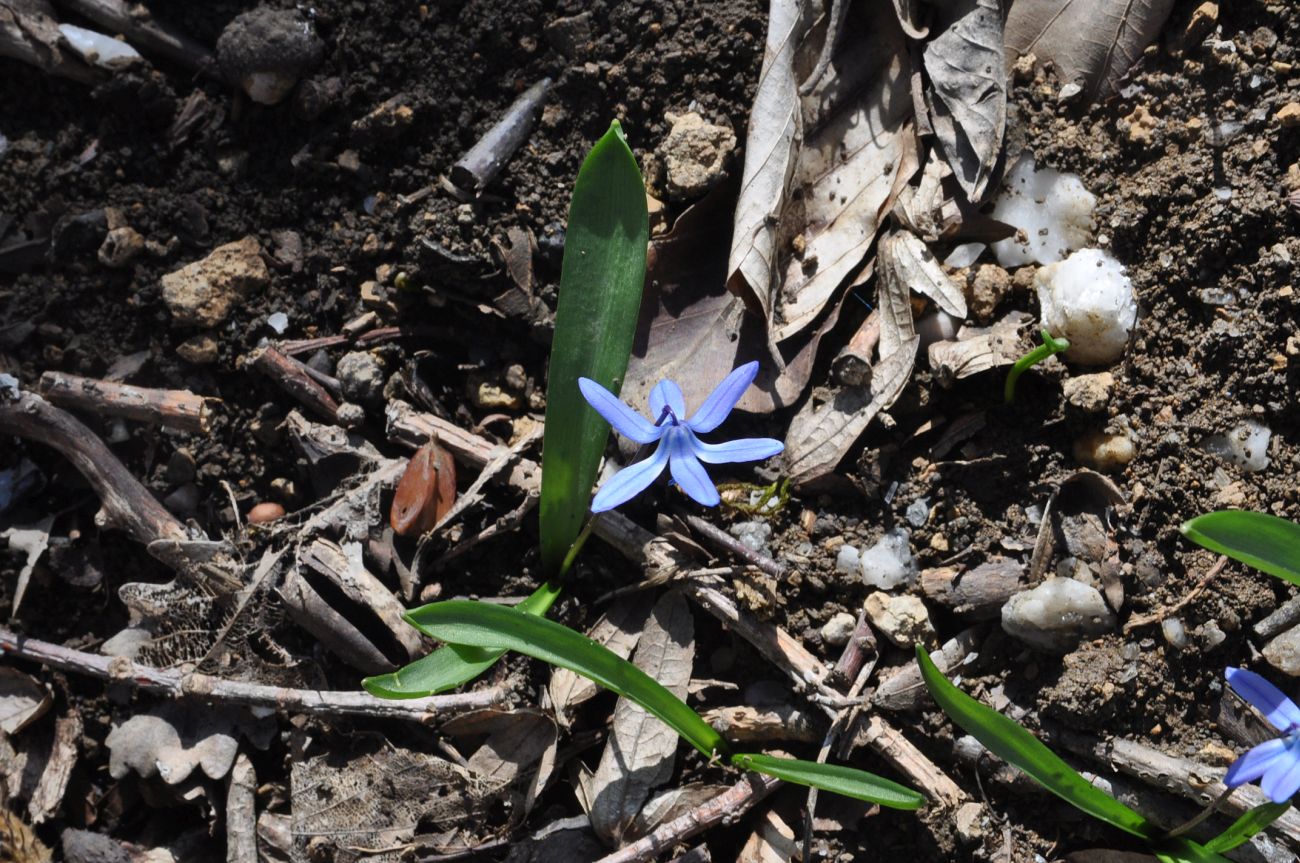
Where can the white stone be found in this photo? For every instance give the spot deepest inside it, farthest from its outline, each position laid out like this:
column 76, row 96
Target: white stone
column 1246, row 446
column 1283, row 652
column 847, row 560
column 902, row 619
column 103, row 51
column 1089, row 300
column 839, row 629
column 889, row 563
column 1057, row 615
column 1051, row 211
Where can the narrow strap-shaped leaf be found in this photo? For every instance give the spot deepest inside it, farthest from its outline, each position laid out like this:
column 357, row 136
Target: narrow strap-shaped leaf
column 835, row 778
column 451, row 665
column 1257, row 539
column 595, row 321
column 1186, row 851
column 480, row 624
column 1009, row 741
column 1251, row 822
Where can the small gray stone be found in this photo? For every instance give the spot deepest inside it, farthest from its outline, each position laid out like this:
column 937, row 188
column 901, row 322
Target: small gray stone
column 839, row 629
column 1057, row 615
column 969, row 822
column 753, row 535
column 350, row 415
column 361, row 377
column 1283, row 652
column 889, row 563
column 267, row 50
column 1089, row 393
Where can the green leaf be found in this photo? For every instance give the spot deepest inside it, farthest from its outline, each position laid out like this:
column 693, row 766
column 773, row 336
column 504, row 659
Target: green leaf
column 600, row 296
column 1266, row 542
column 835, row 778
column 479, row 624
column 1251, row 822
column 1186, row 851
column 1009, row 741
column 452, row 665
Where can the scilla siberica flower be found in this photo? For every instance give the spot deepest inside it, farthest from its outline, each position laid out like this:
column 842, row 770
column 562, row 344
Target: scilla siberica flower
column 679, row 449
column 1276, row 763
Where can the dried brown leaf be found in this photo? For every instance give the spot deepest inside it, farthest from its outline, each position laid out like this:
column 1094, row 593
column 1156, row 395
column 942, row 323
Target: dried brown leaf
column 858, row 152
column 641, row 749
column 978, row 349
column 822, row 432
column 914, row 265
column 1091, row 42
column 771, row 842
column 968, row 102
column 820, row 170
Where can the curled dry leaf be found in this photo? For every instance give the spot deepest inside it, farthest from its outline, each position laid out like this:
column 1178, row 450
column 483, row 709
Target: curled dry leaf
column 694, row 331
column 915, row 266
column 1092, row 43
column 823, row 431
column 23, row 700
column 641, row 749
column 426, row 491
column 821, row 170
column 968, row 102
column 772, row 841
column 978, row 349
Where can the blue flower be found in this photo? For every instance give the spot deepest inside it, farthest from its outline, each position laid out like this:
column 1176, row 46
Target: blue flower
column 1278, row 760
column 679, row 449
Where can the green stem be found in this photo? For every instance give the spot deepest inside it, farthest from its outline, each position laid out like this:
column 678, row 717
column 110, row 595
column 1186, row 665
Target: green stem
column 1037, row 355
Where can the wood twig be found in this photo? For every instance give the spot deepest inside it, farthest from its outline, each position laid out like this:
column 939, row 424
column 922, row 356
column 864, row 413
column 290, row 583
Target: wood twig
column 125, row 503
column 1160, row 614
column 727, row 806
column 378, row 335
column 291, row 376
column 720, row 539
column 178, row 409
column 1182, row 776
column 241, row 812
column 181, row 684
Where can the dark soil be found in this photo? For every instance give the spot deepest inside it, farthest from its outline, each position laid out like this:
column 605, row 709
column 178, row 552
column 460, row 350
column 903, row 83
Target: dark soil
column 335, row 207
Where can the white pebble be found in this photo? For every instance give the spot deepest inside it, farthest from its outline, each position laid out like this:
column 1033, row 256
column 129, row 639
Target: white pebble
column 1089, row 300
column 839, row 629
column 103, row 51
column 1174, row 631
column 278, row 321
column 889, row 563
column 847, row 559
column 1057, row 615
column 1246, row 446
column 1051, row 211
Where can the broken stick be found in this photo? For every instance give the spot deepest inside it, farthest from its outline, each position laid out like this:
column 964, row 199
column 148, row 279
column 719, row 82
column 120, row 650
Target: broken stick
column 125, row 503
column 178, row 409
column 179, row 684
column 292, row 377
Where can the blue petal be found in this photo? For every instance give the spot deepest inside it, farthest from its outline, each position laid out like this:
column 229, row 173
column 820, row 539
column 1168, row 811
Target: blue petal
column 630, row 481
column 743, row 449
column 667, row 394
column 1255, row 763
column 1265, row 697
column 687, row 470
column 1282, row 779
column 625, row 421
column 723, row 399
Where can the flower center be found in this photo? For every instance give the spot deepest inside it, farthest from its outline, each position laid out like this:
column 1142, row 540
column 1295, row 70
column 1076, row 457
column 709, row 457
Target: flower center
column 667, row 414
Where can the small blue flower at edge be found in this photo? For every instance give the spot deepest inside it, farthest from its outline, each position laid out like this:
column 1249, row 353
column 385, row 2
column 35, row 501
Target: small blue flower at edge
column 1277, row 761
column 679, row 449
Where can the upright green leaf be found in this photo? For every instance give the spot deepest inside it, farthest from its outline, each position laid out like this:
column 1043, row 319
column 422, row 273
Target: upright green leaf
column 835, row 778
column 1251, row 822
column 1266, row 542
column 600, row 296
column 1009, row 741
column 480, row 624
